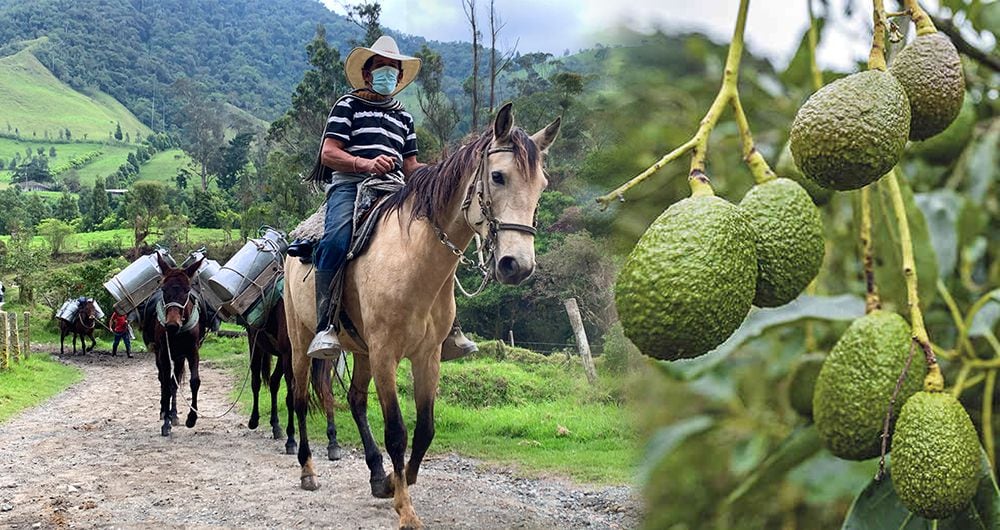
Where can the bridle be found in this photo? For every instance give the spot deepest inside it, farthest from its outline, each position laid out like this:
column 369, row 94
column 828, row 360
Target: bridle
column 485, row 247
column 189, row 312
column 79, row 316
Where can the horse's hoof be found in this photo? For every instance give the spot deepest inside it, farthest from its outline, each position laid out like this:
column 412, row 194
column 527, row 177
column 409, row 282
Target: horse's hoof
column 382, row 488
column 165, row 430
column 191, row 420
column 310, row 483
column 413, row 524
column 252, row 424
column 276, row 431
column 291, row 448
column 333, row 452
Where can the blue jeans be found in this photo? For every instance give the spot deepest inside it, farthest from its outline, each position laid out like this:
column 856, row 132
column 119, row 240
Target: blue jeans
column 118, row 338
column 337, row 228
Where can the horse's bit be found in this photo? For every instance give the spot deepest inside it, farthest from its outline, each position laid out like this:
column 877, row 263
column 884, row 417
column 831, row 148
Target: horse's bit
column 487, row 247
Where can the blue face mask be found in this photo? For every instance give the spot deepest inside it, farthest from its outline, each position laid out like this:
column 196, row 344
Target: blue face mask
column 384, row 80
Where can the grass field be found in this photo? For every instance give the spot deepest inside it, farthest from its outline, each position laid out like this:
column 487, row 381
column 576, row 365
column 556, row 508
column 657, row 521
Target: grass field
column 83, row 242
column 33, row 381
column 543, row 418
column 112, row 156
column 163, row 167
column 34, row 101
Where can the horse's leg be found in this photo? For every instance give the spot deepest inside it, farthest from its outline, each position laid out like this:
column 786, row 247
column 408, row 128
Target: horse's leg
column 74, row 343
column 357, row 397
column 300, row 384
column 195, row 384
column 426, row 372
column 163, row 371
column 290, row 446
column 255, row 367
column 323, row 386
column 93, row 341
column 62, row 342
column 384, row 371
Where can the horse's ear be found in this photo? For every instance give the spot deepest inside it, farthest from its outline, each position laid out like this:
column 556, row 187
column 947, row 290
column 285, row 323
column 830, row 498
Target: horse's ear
column 503, row 123
column 544, row 138
column 193, row 268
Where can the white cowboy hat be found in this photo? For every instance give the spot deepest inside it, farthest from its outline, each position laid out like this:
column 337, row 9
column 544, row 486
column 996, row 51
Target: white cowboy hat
column 386, row 47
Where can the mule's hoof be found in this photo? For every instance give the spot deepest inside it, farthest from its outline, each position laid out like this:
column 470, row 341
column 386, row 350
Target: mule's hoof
column 382, row 488
column 254, row 421
column 191, row 420
column 276, row 431
column 165, row 430
column 333, row 452
column 174, row 421
column 310, row 483
column 412, row 524
column 291, row 448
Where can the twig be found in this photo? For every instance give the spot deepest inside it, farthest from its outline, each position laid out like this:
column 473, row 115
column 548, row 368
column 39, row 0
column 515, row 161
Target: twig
column 876, row 58
column 872, row 301
column 817, row 75
column 888, row 413
column 920, row 18
column 948, row 28
column 988, row 441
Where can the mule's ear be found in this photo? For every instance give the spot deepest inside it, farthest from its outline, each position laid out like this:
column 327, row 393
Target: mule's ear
column 544, row 138
column 164, row 266
column 193, row 268
column 503, row 123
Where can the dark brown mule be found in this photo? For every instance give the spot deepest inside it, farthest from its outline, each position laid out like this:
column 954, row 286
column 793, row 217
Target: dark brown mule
column 82, row 326
column 400, row 294
column 271, row 341
column 174, row 334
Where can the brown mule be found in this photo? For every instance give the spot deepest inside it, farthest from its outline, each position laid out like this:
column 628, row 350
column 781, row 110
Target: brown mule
column 400, row 294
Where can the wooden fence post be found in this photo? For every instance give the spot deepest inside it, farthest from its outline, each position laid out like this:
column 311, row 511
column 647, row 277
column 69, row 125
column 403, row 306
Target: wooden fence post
column 15, row 337
column 27, row 334
column 4, row 354
column 573, row 310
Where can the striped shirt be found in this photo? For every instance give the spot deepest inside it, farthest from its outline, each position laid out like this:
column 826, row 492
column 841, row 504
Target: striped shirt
column 368, row 131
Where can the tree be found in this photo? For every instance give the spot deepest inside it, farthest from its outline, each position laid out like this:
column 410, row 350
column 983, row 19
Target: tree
column 52, row 151
column 579, row 267
column 36, row 169
column 233, row 161
column 67, row 208
column 118, row 131
column 202, row 130
column 55, row 232
column 473, row 85
column 68, row 135
column 440, row 113
column 144, row 205
column 366, row 16
column 26, row 262
column 497, row 63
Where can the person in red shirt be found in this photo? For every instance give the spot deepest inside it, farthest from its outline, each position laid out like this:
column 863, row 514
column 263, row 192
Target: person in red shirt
column 119, row 325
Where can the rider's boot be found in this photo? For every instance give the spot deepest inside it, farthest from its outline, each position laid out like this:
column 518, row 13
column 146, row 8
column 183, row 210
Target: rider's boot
column 325, row 344
column 457, row 345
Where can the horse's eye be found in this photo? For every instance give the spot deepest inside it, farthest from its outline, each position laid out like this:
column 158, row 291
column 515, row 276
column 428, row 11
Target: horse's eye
column 497, row 177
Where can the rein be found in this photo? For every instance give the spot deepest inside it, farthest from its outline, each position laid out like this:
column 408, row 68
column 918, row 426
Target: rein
column 485, row 247
column 79, row 316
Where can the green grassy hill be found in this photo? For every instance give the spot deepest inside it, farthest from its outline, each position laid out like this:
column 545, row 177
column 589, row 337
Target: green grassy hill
column 33, row 101
column 163, row 166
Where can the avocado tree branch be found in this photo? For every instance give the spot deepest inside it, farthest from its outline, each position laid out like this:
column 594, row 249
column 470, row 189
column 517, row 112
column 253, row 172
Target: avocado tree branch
column 872, row 301
column 948, row 28
column 698, row 144
column 817, row 75
column 934, row 382
column 988, row 442
column 876, row 58
column 919, row 17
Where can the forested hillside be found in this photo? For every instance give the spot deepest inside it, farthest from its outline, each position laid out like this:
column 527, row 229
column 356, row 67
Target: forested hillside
column 135, row 49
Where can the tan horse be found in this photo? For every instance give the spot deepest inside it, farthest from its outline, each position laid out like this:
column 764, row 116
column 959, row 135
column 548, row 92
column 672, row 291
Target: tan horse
column 400, row 293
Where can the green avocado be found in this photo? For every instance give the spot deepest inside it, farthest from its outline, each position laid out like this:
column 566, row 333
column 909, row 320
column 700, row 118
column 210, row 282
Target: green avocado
column 857, row 380
column 802, row 383
column 690, row 280
column 785, row 167
column 935, row 456
column 790, row 243
column 945, row 146
column 852, row 131
column 931, row 73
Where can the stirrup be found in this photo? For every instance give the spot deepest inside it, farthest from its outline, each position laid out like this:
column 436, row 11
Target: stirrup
column 457, row 345
column 325, row 345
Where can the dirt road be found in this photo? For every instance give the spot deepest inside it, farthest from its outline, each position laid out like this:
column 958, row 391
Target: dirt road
column 93, row 457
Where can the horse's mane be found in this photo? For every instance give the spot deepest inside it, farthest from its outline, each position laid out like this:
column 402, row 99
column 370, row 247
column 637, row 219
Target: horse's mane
column 433, row 186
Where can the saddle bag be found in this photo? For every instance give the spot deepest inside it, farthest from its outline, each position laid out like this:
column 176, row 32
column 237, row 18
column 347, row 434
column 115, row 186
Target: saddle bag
column 208, row 268
column 137, row 282
column 250, row 273
column 68, row 310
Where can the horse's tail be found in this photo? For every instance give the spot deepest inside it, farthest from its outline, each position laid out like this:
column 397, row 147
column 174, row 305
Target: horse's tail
column 321, row 382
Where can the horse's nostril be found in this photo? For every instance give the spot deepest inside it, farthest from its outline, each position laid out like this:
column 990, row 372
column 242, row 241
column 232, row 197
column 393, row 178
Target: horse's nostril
column 508, row 267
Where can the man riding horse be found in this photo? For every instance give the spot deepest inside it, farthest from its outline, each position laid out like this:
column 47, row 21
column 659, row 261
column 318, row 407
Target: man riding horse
column 368, row 134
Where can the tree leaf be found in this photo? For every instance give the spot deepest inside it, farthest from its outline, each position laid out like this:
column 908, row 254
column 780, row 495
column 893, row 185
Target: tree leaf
column 987, row 317
column 981, row 166
column 799, row 71
column 801, row 445
column 877, row 507
column 667, row 439
column 942, row 210
column 888, row 256
column 843, row 307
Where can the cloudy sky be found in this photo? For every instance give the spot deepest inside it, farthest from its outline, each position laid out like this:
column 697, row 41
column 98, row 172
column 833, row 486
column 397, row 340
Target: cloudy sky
column 773, row 26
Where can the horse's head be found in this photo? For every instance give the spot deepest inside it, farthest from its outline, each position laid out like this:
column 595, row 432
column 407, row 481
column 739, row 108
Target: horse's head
column 87, row 313
column 178, row 307
column 512, row 181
